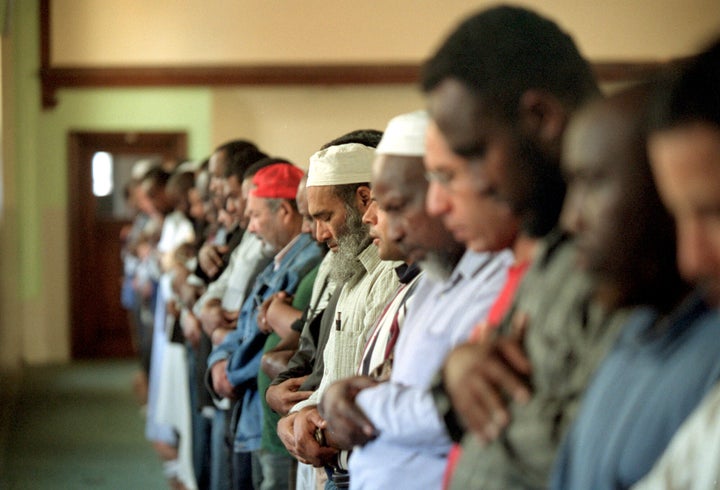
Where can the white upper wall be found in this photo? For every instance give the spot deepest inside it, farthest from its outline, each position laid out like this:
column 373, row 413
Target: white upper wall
column 218, row 32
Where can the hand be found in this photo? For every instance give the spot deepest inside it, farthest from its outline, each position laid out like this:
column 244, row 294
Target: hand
column 220, row 381
column 171, row 307
column 218, row 335
column 275, row 362
column 231, row 318
column 271, row 311
column 282, row 397
column 210, row 258
column 306, row 446
column 191, row 328
column 188, row 294
column 262, row 322
column 286, row 433
column 479, row 377
column 347, row 425
column 212, row 317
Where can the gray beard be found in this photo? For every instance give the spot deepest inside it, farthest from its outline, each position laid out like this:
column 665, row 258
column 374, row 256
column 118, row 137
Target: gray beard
column 438, row 265
column 351, row 242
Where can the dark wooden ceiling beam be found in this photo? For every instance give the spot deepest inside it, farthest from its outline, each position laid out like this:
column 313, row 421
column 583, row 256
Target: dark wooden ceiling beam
column 54, row 78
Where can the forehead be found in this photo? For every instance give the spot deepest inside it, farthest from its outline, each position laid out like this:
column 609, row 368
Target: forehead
column 216, row 164
column 247, row 186
column 397, row 174
column 233, row 184
column 255, row 203
column 323, row 199
column 686, row 161
column 438, row 154
column 457, row 113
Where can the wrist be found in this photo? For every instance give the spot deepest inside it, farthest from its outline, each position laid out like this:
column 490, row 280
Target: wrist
column 443, row 405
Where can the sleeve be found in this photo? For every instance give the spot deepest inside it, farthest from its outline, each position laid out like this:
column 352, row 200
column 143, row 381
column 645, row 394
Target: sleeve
column 217, row 288
column 691, row 459
column 244, row 363
column 225, row 349
column 404, row 415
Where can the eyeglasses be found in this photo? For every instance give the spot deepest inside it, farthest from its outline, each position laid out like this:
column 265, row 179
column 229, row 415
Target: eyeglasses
column 442, row 177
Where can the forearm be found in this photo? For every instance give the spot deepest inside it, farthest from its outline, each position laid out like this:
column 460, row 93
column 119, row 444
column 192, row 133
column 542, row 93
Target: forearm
column 403, row 415
column 281, row 316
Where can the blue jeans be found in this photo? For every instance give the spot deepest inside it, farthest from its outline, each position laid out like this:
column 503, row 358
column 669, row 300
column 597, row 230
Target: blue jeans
column 273, row 469
column 220, row 461
column 242, row 474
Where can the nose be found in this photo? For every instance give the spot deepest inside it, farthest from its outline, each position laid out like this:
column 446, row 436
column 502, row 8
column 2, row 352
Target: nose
column 322, row 231
column 437, row 201
column 370, row 217
column 571, row 217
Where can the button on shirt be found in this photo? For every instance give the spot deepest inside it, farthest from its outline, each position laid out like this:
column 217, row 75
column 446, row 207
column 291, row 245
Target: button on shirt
column 412, row 446
column 361, row 301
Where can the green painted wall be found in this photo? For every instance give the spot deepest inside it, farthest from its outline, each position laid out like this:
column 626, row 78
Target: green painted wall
column 41, row 174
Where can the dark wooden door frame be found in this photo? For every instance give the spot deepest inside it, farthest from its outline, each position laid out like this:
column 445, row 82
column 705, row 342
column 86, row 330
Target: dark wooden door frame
column 82, row 145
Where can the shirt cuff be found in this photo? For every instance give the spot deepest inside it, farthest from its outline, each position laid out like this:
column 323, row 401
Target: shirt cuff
column 444, row 407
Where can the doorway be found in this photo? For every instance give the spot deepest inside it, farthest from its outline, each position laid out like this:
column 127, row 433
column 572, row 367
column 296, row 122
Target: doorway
column 99, row 166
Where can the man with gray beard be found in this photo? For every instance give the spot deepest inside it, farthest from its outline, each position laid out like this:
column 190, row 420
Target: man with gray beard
column 338, row 193
column 399, row 439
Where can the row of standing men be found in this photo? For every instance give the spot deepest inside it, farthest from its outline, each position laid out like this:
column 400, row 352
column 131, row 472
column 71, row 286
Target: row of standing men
column 503, row 302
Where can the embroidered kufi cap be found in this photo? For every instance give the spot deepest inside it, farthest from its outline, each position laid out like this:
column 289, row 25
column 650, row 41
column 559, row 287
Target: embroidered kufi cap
column 405, row 135
column 350, row 163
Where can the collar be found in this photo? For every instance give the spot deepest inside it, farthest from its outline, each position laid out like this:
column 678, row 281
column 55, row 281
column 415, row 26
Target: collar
column 407, row 272
column 282, row 253
column 469, row 266
column 369, row 257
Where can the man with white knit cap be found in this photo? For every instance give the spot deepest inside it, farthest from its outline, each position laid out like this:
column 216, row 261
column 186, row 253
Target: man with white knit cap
column 338, row 194
column 399, row 438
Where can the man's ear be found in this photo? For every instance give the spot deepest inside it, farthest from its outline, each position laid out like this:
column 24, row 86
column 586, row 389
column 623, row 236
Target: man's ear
column 542, row 117
column 286, row 210
column 363, row 197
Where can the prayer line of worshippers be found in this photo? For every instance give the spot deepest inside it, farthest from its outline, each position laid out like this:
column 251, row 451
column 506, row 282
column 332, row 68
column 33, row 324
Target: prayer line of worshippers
column 516, row 286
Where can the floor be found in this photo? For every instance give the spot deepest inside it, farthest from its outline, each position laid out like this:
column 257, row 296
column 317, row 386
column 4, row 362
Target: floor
column 74, row 427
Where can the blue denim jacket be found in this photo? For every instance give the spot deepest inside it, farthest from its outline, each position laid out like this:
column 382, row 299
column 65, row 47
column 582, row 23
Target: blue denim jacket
column 243, row 347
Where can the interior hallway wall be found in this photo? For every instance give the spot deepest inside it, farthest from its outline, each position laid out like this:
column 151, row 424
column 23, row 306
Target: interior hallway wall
column 36, row 330
column 289, row 121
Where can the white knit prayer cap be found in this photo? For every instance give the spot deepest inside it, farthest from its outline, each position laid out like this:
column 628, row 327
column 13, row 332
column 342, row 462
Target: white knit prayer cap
column 405, row 135
column 350, row 163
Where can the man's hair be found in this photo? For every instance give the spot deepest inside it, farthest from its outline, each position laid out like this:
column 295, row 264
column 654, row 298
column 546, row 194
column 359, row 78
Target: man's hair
column 690, row 93
column 502, row 52
column 367, row 137
column 240, row 155
column 261, row 164
column 157, row 176
column 274, row 204
column 180, row 183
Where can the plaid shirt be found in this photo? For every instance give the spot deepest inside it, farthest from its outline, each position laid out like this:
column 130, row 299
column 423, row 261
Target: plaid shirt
column 361, row 301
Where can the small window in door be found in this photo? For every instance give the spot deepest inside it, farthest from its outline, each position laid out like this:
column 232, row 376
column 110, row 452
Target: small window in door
column 102, row 174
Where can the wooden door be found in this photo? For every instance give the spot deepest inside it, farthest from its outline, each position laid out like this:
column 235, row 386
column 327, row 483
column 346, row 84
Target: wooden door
column 100, row 326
